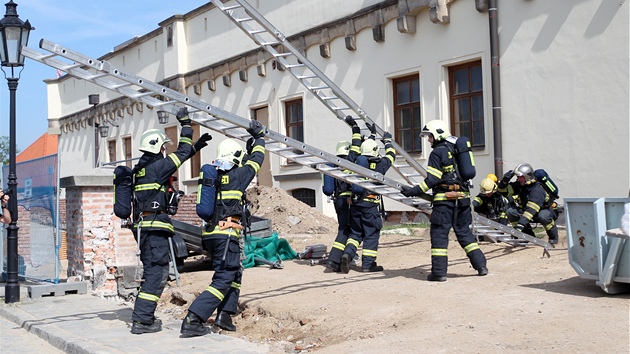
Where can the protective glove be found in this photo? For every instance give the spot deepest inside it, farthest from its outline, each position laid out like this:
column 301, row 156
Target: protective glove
column 387, row 138
column 350, row 121
column 202, row 142
column 410, row 191
column 519, row 227
column 182, row 116
column 249, row 145
column 507, row 177
column 256, row 129
column 371, row 127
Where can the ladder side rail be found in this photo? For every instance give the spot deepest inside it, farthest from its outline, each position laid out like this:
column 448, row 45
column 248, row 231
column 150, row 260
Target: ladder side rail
column 302, row 59
column 315, row 158
column 510, row 230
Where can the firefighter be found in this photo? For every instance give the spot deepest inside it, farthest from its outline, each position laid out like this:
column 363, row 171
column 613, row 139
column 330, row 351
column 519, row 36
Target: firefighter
column 451, row 204
column 152, row 224
column 223, row 239
column 532, row 205
column 489, row 202
column 5, row 214
column 341, row 193
column 365, row 216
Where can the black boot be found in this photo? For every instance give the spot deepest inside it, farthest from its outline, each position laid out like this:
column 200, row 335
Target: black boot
column 224, row 321
column 344, row 267
column 373, row 268
column 553, row 236
column 332, row 266
column 140, row 328
column 192, row 326
column 482, row 271
column 433, row 277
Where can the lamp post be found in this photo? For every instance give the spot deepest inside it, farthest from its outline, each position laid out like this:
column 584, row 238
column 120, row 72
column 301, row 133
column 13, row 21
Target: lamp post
column 14, row 33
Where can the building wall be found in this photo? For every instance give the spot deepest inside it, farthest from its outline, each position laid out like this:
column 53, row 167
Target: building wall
column 564, row 84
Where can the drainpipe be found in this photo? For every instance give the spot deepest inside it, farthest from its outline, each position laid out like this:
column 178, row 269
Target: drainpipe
column 496, row 87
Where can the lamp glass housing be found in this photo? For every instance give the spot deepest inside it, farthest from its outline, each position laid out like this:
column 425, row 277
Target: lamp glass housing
column 162, row 117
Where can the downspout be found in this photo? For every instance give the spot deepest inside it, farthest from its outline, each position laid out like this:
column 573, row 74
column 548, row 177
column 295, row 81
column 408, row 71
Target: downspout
column 496, row 87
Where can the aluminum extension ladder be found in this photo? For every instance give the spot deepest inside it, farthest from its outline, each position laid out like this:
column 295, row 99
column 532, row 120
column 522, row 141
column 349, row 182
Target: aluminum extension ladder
column 497, row 232
column 103, row 74
column 263, row 33
column 107, row 76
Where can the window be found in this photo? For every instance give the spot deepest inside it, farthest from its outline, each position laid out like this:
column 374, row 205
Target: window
column 295, row 120
column 466, row 101
column 126, row 142
column 111, row 149
column 172, row 134
column 305, row 195
column 169, row 36
column 407, row 120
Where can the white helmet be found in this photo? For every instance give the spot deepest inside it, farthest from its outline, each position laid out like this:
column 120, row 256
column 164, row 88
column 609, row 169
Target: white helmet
column 152, row 141
column 437, row 128
column 343, row 148
column 369, row 148
column 229, row 154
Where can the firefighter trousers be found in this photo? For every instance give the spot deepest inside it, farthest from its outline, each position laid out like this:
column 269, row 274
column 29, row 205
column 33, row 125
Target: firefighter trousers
column 343, row 230
column 223, row 292
column 365, row 226
column 154, row 254
column 454, row 214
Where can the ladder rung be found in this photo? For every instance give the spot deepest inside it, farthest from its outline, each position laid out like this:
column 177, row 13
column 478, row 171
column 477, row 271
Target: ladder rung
column 282, row 55
column 269, row 43
column 313, row 88
column 257, row 31
column 228, row 8
column 290, row 66
column 244, row 19
column 306, row 77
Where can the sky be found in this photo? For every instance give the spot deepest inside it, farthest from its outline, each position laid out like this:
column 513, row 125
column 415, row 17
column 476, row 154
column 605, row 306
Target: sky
column 92, row 28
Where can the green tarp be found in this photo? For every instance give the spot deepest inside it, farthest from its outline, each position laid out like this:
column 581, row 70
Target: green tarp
column 269, row 248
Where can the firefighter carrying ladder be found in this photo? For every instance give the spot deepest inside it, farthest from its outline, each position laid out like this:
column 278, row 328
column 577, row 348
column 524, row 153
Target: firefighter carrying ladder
column 263, row 33
column 103, row 74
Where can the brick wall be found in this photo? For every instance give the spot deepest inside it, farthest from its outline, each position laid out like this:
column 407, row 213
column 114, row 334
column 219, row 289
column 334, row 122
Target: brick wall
column 96, row 243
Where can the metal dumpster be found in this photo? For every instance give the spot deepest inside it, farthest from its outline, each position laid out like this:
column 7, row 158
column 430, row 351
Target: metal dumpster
column 597, row 248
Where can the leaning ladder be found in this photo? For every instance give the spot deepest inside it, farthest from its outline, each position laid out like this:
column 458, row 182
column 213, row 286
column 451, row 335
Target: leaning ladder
column 263, row 33
column 103, row 74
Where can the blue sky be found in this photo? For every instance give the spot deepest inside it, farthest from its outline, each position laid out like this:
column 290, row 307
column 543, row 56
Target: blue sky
column 92, row 28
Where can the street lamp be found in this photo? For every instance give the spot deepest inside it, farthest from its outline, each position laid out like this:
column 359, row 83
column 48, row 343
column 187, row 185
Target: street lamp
column 14, row 33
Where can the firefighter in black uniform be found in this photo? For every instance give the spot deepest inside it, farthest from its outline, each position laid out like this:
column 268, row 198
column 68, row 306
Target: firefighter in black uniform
column 340, row 192
column 151, row 217
column 491, row 203
column 223, row 239
column 451, row 204
column 365, row 217
column 533, row 203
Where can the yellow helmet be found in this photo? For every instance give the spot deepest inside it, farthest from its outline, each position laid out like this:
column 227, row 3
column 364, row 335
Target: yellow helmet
column 437, row 128
column 152, row 141
column 343, row 148
column 369, row 148
column 229, row 154
column 487, row 185
column 493, row 177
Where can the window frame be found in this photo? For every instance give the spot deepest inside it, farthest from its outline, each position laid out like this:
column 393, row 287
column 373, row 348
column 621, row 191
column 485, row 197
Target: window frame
column 299, row 123
column 472, row 95
column 416, row 141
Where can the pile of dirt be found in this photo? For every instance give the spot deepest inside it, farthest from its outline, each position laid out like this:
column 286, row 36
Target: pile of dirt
column 287, row 214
